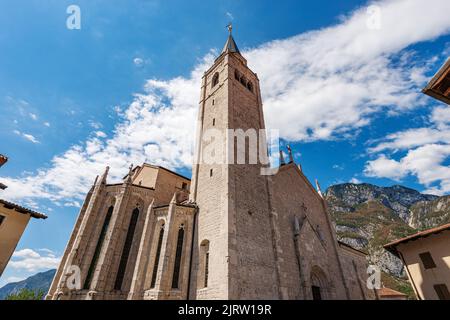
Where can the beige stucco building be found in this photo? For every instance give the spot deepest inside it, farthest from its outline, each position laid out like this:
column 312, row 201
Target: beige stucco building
column 13, row 221
column 426, row 256
column 240, row 230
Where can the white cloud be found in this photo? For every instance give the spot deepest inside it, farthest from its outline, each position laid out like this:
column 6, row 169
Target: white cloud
column 319, row 85
column 100, row 134
column 47, row 124
column 33, row 116
column 138, row 61
column 95, row 125
column 385, row 168
column 27, row 136
column 355, row 180
column 427, row 150
column 32, row 261
column 323, row 83
column 30, row 137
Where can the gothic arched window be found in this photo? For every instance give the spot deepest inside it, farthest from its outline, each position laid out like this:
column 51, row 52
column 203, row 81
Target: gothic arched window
column 98, row 248
column 215, row 80
column 178, row 254
column 158, row 253
column 126, row 249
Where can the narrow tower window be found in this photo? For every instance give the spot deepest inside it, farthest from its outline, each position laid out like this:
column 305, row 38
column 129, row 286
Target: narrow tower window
column 211, row 172
column 214, row 121
column 204, row 269
column 177, row 265
column 237, row 75
column 215, row 80
column 126, row 249
column 250, row 86
column 98, row 248
column 158, row 253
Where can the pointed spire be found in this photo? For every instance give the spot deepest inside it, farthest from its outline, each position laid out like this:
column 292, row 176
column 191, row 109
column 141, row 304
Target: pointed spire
column 130, row 174
column 104, row 176
column 282, row 163
column 291, row 158
column 318, row 189
column 230, row 45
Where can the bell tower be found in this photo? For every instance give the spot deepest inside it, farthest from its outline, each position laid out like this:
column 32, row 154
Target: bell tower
column 234, row 255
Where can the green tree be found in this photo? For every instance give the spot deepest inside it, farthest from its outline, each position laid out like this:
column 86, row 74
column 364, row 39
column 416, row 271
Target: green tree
column 26, row 294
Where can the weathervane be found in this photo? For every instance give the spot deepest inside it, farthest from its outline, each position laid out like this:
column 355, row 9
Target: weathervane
column 230, row 27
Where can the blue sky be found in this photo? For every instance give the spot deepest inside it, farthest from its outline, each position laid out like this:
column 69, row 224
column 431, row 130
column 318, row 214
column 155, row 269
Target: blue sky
column 124, row 88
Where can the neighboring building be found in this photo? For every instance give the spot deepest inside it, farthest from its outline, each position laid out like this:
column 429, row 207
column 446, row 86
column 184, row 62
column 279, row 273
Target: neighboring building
column 237, row 234
column 439, row 85
column 390, row 294
column 13, row 221
column 3, row 160
column 426, row 256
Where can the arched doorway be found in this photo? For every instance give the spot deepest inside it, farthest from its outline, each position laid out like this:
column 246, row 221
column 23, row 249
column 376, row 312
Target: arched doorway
column 319, row 284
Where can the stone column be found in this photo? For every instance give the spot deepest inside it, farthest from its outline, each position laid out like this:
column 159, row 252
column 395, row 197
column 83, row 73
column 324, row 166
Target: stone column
column 140, row 270
column 80, row 243
column 163, row 274
column 105, row 260
column 69, row 247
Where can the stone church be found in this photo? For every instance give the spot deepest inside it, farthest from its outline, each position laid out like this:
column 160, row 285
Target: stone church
column 230, row 233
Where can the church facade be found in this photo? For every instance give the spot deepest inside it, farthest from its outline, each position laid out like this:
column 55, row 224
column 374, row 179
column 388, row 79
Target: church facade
column 230, row 233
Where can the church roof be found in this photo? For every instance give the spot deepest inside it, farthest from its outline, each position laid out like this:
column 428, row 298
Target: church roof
column 388, row 292
column 230, row 45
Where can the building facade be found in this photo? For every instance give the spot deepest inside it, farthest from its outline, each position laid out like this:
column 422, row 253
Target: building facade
column 240, row 230
column 426, row 256
column 13, row 221
column 439, row 85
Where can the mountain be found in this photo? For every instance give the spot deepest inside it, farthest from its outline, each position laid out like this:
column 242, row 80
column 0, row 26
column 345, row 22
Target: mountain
column 39, row 281
column 368, row 216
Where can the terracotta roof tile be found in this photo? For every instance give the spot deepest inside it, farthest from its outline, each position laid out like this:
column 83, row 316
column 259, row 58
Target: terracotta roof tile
column 388, row 292
column 391, row 246
column 21, row 209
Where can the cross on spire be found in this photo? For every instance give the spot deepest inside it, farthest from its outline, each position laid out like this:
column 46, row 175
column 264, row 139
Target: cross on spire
column 230, row 28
